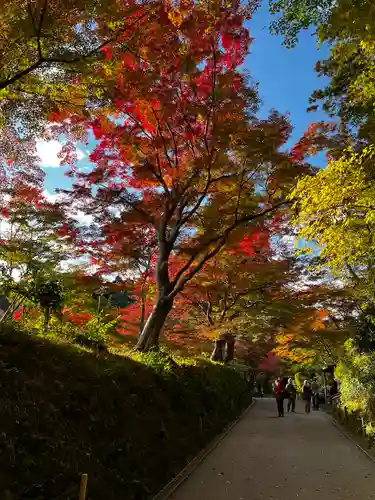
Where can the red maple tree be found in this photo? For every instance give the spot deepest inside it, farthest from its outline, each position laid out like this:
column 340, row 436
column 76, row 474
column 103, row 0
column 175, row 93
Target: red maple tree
column 180, row 151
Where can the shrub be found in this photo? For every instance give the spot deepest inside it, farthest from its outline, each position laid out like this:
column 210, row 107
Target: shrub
column 356, row 373
column 131, row 424
column 69, row 326
column 98, row 329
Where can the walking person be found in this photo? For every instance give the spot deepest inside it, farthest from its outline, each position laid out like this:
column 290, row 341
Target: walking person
column 306, row 395
column 260, row 390
column 292, row 395
column 279, row 390
column 315, row 391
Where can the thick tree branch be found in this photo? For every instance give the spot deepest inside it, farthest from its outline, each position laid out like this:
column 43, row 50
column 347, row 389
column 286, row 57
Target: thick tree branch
column 160, row 131
column 174, row 144
column 159, row 175
column 211, row 107
column 198, row 203
column 5, row 83
column 133, row 205
column 219, row 241
column 209, row 309
column 63, row 60
column 38, row 29
column 181, row 219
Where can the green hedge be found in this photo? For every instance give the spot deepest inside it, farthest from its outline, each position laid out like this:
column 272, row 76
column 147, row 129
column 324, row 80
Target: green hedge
column 356, row 373
column 356, row 425
column 129, row 425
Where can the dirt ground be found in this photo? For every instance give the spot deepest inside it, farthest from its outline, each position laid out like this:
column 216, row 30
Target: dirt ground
column 269, row 458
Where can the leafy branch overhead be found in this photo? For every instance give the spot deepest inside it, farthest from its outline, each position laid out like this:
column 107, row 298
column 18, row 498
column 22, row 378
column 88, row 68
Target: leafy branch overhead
column 50, row 51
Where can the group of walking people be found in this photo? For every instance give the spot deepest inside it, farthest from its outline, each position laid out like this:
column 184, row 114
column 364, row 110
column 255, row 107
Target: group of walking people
column 284, row 389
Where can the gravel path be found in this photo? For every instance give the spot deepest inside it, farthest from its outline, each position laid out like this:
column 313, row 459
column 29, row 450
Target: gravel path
column 269, row 458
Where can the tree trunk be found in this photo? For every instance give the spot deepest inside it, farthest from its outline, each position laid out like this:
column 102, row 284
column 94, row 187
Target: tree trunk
column 47, row 317
column 151, row 332
column 218, row 352
column 224, row 348
column 229, row 348
column 13, row 306
column 143, row 314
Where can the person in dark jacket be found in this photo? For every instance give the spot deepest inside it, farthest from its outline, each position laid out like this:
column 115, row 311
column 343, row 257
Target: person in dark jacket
column 260, row 390
column 316, row 394
column 279, row 390
column 292, row 395
column 307, row 395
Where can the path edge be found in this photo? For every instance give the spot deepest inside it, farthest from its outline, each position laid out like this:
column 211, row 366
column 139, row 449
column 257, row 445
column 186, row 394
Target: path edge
column 186, row 472
column 342, row 431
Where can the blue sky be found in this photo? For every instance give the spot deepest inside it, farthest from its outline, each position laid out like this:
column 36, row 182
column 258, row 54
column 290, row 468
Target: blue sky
column 286, row 79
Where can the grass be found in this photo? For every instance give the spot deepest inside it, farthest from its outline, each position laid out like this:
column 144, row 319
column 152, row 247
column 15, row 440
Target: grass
column 131, row 423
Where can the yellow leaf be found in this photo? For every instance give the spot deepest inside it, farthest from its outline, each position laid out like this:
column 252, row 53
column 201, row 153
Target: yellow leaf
column 175, row 17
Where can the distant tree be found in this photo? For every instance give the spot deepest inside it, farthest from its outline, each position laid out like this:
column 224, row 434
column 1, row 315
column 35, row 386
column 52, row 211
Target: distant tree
column 233, row 285
column 318, row 328
column 49, row 295
column 30, row 248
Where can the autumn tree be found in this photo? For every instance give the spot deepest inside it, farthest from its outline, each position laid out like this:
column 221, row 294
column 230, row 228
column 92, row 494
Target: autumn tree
column 320, row 323
column 48, row 50
column 309, row 340
column 181, row 150
column 293, row 16
column 128, row 250
column 232, row 286
column 335, row 209
column 54, row 63
column 30, row 246
column 235, row 298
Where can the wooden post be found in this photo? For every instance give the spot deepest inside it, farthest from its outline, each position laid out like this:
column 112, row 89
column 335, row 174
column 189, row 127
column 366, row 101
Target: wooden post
column 83, row 487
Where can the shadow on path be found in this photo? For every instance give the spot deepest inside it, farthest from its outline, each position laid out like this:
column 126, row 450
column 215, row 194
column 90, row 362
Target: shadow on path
column 300, row 457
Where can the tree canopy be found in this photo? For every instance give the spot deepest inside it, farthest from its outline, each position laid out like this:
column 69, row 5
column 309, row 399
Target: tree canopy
column 189, row 192
column 177, row 150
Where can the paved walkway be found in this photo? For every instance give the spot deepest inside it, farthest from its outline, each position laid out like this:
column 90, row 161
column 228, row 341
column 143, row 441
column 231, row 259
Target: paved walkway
column 269, row 458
